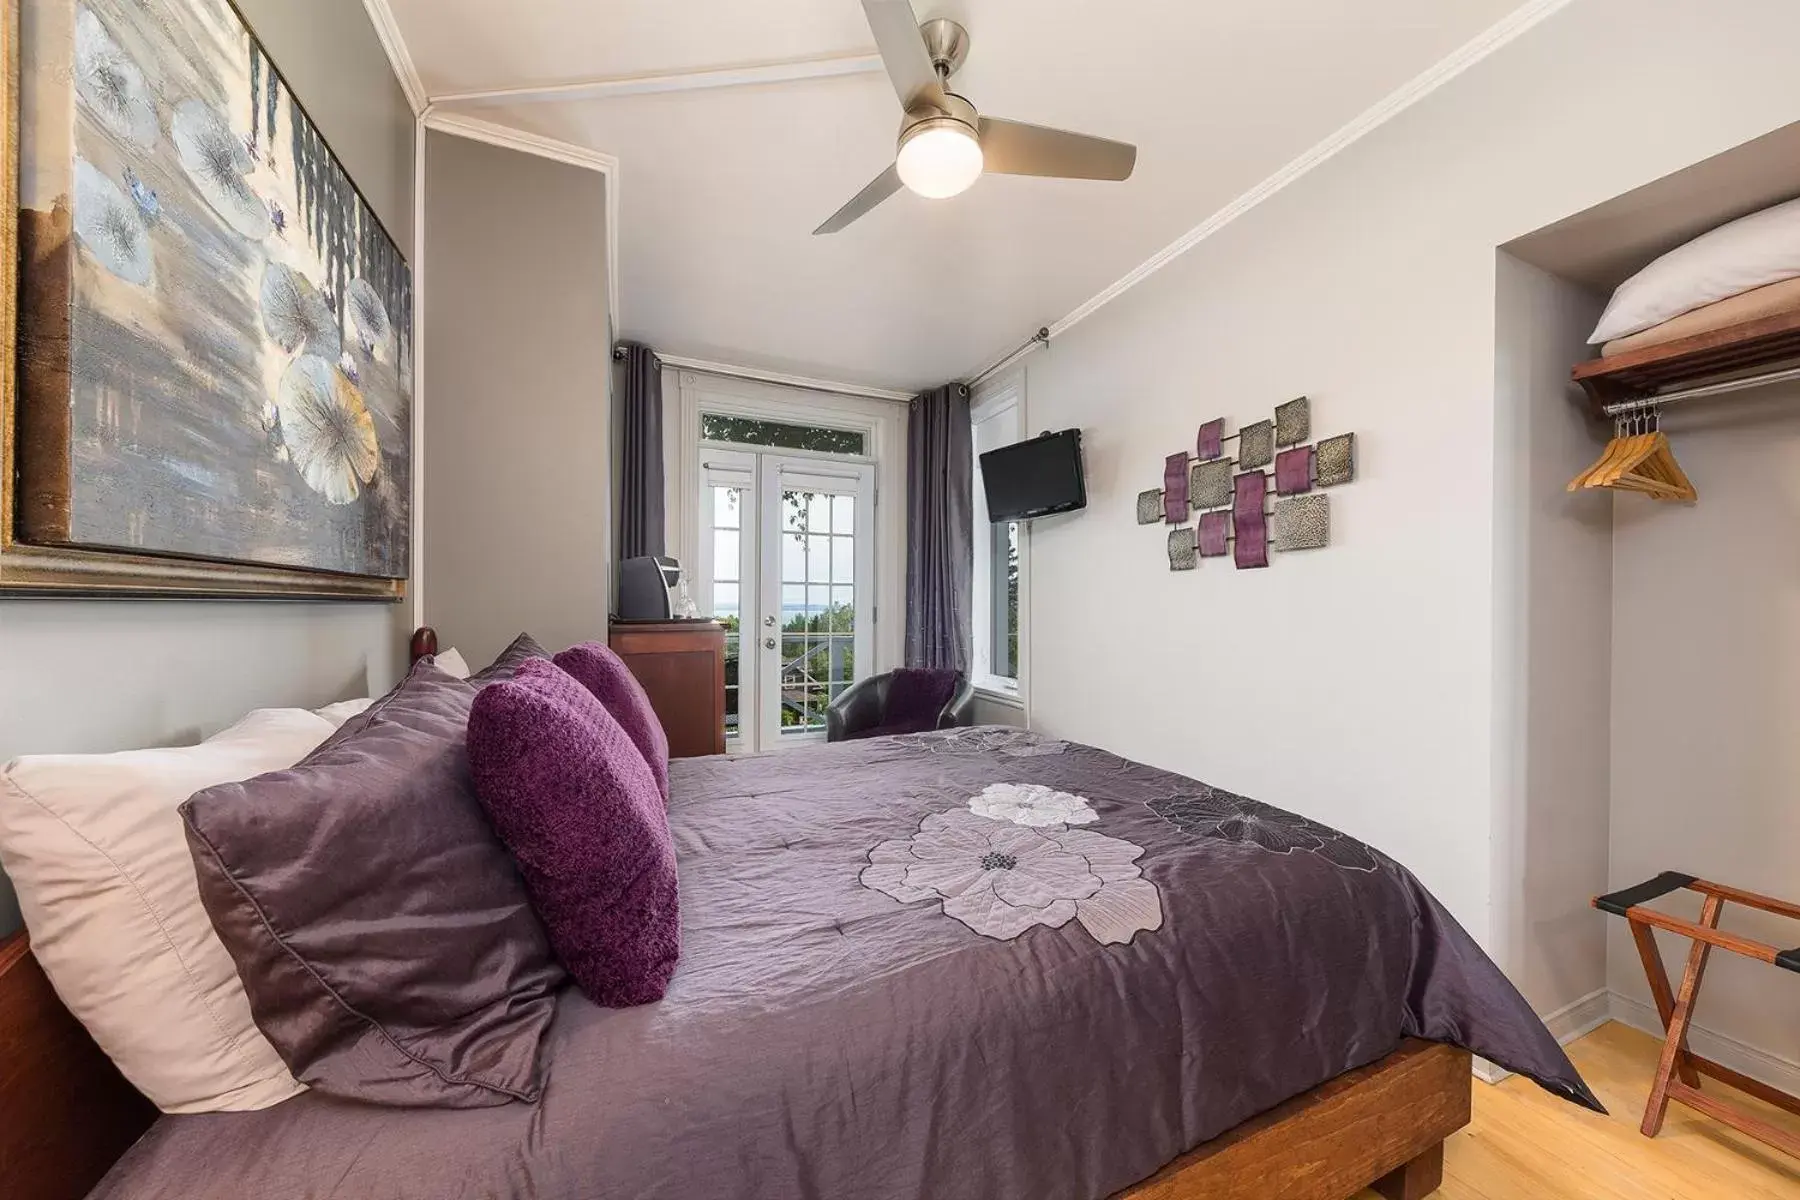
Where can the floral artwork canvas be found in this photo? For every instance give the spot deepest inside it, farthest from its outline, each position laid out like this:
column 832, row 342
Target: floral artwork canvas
column 216, row 328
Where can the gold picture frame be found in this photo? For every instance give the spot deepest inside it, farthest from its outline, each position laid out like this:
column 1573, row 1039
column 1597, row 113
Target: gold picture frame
column 28, row 570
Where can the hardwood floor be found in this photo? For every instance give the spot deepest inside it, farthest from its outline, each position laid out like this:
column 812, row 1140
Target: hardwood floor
column 1525, row 1144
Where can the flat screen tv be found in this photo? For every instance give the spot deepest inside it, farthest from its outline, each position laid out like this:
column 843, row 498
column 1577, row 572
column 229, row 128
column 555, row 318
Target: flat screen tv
column 1035, row 478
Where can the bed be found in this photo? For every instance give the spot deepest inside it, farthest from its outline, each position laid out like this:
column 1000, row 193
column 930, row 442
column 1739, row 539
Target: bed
column 979, row 962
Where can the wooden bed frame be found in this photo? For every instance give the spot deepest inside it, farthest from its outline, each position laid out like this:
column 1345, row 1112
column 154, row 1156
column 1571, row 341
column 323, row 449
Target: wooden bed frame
column 66, row 1115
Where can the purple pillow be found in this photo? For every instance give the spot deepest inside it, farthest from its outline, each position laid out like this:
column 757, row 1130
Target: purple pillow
column 383, row 934
column 520, row 650
column 917, row 695
column 576, row 803
column 605, row 674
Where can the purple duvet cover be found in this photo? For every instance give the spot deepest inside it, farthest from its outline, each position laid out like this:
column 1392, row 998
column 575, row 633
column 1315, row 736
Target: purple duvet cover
column 976, row 963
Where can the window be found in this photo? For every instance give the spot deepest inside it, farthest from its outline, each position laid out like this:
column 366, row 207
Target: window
column 998, row 421
column 750, row 431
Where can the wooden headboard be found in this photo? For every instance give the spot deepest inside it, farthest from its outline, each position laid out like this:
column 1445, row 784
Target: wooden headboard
column 66, row 1114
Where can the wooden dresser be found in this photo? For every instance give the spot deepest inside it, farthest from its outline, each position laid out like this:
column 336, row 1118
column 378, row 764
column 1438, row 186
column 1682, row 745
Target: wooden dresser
column 682, row 666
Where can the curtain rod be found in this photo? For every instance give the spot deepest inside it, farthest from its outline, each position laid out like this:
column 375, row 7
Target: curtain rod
column 755, row 375
column 1040, row 338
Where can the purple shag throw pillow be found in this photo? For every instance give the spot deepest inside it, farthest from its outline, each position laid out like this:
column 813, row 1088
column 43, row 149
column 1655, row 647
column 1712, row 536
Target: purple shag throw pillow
column 605, row 674
column 916, row 698
column 575, row 802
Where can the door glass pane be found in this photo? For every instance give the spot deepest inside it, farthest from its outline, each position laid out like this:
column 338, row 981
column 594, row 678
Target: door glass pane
column 725, row 554
column 818, row 658
column 726, row 511
column 726, row 508
column 793, row 511
column 818, row 558
column 747, row 431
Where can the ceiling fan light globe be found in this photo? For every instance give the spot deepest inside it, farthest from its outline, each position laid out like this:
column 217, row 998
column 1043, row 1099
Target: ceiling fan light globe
column 940, row 159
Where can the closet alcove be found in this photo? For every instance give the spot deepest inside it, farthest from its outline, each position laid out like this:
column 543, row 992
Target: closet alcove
column 1647, row 654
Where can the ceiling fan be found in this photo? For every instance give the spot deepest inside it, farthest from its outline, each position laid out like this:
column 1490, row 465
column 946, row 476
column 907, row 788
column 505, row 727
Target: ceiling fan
column 945, row 145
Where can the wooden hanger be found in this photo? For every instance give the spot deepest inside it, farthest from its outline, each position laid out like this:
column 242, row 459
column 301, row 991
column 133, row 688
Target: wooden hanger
column 1639, row 459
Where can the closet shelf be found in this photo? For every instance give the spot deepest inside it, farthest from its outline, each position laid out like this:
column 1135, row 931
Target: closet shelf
column 1738, row 352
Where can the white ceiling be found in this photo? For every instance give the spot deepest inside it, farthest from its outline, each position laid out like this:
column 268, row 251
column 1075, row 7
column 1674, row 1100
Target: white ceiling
column 720, row 189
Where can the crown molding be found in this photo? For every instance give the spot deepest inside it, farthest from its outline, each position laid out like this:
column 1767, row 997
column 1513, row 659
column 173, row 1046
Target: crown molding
column 387, row 30
column 495, row 134
column 459, row 125
column 1495, row 37
column 611, row 87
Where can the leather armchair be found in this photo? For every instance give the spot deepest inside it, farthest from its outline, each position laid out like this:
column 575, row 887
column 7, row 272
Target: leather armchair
column 863, row 706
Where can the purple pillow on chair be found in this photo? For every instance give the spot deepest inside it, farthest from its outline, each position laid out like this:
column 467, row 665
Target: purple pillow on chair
column 917, row 696
column 576, row 804
column 605, row 674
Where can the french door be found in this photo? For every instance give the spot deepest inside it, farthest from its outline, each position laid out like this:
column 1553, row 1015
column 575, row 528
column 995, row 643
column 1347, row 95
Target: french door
column 787, row 549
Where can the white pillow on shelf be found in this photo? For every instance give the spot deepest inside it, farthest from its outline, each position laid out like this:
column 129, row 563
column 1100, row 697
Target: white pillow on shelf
column 1750, row 252
column 99, row 857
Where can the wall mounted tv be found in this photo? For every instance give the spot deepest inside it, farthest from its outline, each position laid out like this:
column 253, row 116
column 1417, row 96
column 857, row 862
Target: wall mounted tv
column 1035, row 478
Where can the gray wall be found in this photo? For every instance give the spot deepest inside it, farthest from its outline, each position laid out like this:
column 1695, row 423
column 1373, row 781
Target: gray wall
column 518, row 365
column 1553, row 637
column 1705, row 699
column 79, row 676
column 1369, row 285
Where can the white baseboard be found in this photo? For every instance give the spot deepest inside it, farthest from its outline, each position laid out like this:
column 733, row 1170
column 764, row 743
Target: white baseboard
column 1760, row 1065
column 1566, row 1024
column 1577, row 1020
column 1489, row 1072
column 1581, row 1018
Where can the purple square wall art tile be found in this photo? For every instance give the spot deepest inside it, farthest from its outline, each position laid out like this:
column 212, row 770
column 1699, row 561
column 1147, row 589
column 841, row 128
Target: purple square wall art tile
column 1175, row 488
column 1251, row 549
column 1294, row 471
column 1214, row 534
column 1211, row 442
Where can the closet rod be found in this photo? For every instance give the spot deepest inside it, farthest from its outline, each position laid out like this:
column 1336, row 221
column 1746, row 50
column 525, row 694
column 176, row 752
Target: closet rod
column 1697, row 393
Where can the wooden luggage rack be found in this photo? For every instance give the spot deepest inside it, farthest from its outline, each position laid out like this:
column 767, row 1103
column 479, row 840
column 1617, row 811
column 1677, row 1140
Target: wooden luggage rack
column 1678, row 1074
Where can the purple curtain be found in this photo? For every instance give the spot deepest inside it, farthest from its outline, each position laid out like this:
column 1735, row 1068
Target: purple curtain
column 940, row 555
column 640, row 451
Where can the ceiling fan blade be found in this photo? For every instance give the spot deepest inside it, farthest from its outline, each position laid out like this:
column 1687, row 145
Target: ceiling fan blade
column 1015, row 148
column 879, row 189
column 903, row 52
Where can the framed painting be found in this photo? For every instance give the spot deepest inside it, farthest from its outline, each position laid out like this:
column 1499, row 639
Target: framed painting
column 213, row 389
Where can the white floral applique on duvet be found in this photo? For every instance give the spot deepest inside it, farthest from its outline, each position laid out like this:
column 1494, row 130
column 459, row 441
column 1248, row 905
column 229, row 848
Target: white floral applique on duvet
column 1001, row 878
column 1031, row 804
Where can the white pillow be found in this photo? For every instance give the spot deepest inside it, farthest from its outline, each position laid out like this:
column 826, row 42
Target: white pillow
column 99, row 856
column 1751, row 251
column 452, row 663
column 343, row 710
